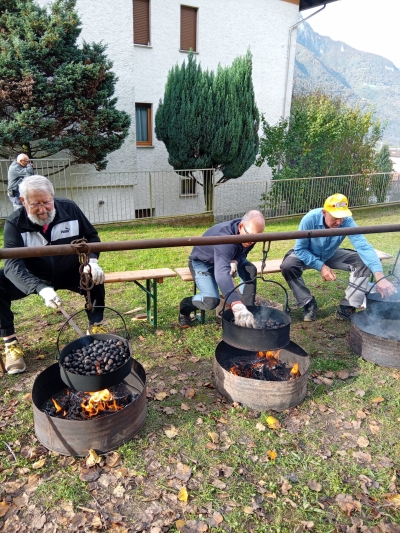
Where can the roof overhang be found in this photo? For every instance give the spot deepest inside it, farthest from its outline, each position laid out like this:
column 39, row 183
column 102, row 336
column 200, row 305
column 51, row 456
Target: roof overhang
column 307, row 4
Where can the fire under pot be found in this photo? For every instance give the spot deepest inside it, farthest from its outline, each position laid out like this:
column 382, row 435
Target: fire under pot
column 260, row 394
column 102, row 433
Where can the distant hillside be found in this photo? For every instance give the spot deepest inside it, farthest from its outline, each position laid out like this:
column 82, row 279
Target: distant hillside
column 359, row 76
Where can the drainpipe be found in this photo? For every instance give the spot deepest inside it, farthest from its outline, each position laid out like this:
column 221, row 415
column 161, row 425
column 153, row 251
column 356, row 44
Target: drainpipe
column 289, row 54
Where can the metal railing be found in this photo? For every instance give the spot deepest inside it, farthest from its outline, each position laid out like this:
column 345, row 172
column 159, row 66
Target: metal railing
column 107, row 197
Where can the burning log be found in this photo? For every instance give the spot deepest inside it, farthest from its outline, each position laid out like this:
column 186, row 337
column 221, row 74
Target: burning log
column 269, row 368
column 78, row 405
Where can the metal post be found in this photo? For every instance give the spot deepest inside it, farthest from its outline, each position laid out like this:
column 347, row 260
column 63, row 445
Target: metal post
column 265, row 199
column 151, row 195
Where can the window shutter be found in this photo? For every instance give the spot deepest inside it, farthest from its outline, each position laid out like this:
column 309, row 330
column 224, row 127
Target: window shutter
column 188, row 28
column 141, row 22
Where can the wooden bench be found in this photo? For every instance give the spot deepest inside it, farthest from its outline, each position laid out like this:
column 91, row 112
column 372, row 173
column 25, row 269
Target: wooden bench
column 152, row 276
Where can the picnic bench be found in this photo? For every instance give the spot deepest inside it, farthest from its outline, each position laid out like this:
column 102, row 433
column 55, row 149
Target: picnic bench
column 152, row 277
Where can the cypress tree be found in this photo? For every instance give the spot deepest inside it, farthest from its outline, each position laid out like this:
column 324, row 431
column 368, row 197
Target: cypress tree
column 54, row 95
column 209, row 120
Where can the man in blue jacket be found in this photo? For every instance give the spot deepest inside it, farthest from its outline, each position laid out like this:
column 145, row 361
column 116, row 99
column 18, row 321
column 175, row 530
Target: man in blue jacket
column 323, row 254
column 44, row 221
column 214, row 266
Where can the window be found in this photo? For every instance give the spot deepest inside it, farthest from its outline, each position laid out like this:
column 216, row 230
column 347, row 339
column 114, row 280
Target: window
column 143, row 124
column 188, row 187
column 145, row 213
column 189, row 28
column 141, row 22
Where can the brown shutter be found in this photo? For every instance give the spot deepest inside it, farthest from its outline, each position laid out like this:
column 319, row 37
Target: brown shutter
column 141, row 22
column 188, row 28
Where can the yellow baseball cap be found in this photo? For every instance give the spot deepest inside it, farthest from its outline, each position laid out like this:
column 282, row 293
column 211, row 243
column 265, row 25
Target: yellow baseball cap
column 338, row 206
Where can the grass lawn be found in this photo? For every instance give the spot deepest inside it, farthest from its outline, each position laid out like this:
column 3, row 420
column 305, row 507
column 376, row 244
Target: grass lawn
column 337, row 466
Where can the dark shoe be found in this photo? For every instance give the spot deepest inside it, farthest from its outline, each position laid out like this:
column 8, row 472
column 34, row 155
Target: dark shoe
column 345, row 312
column 310, row 311
column 185, row 321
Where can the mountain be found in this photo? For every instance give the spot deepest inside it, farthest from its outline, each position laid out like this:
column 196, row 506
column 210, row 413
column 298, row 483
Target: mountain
column 360, row 77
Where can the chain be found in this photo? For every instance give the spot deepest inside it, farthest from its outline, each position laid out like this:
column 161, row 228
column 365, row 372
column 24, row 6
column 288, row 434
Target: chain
column 86, row 280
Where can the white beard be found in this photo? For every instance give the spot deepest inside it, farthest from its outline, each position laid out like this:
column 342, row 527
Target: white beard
column 36, row 220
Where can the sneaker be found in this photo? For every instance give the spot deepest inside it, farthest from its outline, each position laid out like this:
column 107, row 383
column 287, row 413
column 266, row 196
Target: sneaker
column 96, row 329
column 345, row 312
column 15, row 363
column 310, row 311
column 185, row 321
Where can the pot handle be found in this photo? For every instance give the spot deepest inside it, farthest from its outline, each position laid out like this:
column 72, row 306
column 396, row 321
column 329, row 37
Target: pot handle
column 127, row 337
column 234, row 288
column 384, row 277
column 287, row 308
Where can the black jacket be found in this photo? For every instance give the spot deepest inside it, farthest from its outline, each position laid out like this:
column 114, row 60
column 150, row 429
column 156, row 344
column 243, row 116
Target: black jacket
column 32, row 274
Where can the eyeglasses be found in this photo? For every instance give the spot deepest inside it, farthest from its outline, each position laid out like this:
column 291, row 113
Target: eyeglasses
column 41, row 204
column 245, row 230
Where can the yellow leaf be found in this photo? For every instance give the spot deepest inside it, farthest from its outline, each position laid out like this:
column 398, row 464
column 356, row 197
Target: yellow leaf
column 180, row 524
column 160, row 396
column 183, row 495
column 92, row 458
column 3, row 508
column 378, row 400
column 171, row 432
column 214, row 437
column 272, row 454
column 189, row 393
column 39, row 357
column 393, row 499
column 273, row 423
column 39, row 464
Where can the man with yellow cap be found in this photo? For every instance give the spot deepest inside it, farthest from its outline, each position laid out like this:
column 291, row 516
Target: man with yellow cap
column 324, row 254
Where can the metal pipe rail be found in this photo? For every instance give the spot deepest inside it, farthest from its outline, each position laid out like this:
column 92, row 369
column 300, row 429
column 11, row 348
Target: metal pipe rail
column 67, row 249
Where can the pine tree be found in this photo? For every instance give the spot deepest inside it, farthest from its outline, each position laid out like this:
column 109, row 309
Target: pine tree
column 382, row 161
column 209, row 120
column 54, row 95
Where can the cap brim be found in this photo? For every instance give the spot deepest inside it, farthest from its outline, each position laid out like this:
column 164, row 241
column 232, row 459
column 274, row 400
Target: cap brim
column 341, row 213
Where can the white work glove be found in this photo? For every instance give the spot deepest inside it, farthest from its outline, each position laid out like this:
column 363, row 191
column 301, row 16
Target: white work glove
column 243, row 317
column 50, row 297
column 97, row 272
column 234, row 271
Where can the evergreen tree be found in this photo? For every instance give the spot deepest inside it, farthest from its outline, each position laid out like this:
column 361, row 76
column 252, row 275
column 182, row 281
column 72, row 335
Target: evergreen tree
column 54, row 95
column 383, row 162
column 381, row 182
column 209, row 120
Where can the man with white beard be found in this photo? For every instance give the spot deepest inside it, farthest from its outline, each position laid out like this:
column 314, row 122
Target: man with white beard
column 43, row 221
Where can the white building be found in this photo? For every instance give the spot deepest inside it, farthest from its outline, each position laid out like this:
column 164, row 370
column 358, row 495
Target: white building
column 146, row 38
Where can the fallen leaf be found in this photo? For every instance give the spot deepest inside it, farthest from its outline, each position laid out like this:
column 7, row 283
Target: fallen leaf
column 272, row 454
column 211, row 446
column 183, row 472
column 185, row 407
column 363, row 442
column 314, row 485
column 396, row 375
column 260, row 426
column 393, row 499
column 359, row 393
column 273, row 423
column 219, row 484
column 213, row 436
column 360, row 414
column 286, row 486
column 216, row 519
column 347, row 503
column 171, row 432
column 307, row 525
column 362, row 457
column 141, row 338
column 183, row 495
column 112, row 459
column 160, row 396
column 89, row 474
column 378, row 400
column 343, row 374
column 39, row 464
column 194, row 359
column 3, row 508
column 92, row 458
column 180, row 524
column 374, row 428
column 248, row 510
column 39, row 357
column 189, row 393
column 27, row 397
column 159, row 332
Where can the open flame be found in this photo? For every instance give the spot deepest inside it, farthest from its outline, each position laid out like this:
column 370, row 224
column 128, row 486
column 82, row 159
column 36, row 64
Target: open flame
column 98, row 402
column 268, row 362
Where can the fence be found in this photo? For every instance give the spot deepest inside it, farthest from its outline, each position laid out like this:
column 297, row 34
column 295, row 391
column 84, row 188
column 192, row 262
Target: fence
column 107, row 197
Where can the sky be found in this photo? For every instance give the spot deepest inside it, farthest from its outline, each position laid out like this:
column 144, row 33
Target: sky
column 367, row 25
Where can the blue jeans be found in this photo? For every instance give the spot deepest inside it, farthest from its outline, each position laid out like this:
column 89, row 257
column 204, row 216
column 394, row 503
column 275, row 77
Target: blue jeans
column 208, row 297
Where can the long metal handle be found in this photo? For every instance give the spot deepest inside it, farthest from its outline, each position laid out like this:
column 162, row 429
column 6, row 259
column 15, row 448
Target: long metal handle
column 73, row 324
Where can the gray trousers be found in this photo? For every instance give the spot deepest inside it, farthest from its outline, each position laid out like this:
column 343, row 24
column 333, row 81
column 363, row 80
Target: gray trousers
column 292, row 270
